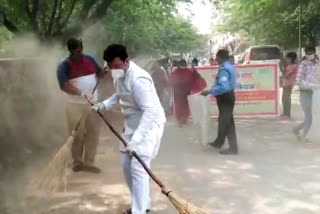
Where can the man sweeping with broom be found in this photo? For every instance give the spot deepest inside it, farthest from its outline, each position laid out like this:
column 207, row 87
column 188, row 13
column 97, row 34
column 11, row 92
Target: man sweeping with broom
column 78, row 76
column 144, row 121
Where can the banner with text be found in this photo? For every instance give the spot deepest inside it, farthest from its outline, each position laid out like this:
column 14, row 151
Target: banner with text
column 257, row 92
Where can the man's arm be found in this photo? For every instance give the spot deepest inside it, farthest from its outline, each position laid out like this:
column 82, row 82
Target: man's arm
column 301, row 79
column 106, row 105
column 110, row 102
column 63, row 79
column 142, row 93
column 70, row 89
column 222, row 85
column 299, row 74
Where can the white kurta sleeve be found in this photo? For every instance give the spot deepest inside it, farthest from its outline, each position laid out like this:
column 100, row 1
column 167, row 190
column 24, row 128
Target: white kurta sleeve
column 110, row 102
column 144, row 96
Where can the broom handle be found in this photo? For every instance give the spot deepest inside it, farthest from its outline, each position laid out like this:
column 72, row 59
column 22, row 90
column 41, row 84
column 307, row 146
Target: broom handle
column 153, row 176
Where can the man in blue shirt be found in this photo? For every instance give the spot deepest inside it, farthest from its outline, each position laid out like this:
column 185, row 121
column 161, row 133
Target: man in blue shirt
column 223, row 90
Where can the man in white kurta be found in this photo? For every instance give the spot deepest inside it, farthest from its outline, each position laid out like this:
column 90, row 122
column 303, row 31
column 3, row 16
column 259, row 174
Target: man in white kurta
column 144, row 121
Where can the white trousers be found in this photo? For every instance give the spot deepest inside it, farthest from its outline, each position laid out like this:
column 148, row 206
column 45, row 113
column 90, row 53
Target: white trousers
column 138, row 182
column 136, row 177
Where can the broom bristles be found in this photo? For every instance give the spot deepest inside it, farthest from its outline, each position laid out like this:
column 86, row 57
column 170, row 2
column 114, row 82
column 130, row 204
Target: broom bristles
column 54, row 175
column 182, row 206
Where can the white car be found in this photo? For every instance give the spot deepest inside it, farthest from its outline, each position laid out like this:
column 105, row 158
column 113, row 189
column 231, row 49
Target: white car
column 265, row 54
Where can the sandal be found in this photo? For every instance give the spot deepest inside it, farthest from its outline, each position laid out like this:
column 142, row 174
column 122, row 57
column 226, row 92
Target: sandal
column 129, row 211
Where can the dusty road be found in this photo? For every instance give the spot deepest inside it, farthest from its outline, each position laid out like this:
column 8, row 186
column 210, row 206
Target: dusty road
column 274, row 173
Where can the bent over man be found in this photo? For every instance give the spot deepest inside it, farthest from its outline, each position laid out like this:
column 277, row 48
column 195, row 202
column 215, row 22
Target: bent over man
column 144, row 121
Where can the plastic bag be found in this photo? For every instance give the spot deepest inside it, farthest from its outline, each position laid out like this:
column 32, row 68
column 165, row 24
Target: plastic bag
column 199, row 108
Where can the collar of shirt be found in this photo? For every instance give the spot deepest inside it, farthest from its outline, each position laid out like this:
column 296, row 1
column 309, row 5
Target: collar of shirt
column 224, row 65
column 128, row 70
column 309, row 62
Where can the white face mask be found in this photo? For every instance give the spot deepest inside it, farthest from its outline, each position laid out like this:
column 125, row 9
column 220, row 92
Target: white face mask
column 117, row 73
column 310, row 57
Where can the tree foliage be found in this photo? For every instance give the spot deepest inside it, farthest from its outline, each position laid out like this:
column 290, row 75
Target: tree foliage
column 274, row 21
column 52, row 18
column 55, row 18
column 142, row 25
column 147, row 26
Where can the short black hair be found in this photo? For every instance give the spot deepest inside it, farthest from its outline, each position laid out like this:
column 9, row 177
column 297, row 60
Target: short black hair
column 113, row 51
column 183, row 62
column 292, row 55
column 195, row 60
column 74, row 43
column 223, row 54
column 310, row 48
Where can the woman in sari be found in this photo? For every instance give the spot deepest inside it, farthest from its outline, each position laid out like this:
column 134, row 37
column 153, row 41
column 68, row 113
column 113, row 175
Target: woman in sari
column 185, row 81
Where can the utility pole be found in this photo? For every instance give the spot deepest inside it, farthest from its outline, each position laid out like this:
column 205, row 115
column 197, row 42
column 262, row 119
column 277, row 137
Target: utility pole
column 300, row 30
column 300, row 27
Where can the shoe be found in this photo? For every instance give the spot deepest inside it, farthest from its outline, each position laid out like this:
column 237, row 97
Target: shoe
column 297, row 134
column 129, row 211
column 215, row 145
column 91, row 169
column 77, row 167
column 228, row 152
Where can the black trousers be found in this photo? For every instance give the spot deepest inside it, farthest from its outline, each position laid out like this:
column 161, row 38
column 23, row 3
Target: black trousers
column 286, row 100
column 226, row 125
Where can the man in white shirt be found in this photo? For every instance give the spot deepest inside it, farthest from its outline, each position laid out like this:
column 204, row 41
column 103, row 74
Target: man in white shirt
column 308, row 81
column 144, row 121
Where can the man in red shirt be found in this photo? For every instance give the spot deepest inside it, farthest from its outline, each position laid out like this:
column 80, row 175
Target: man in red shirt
column 77, row 77
column 288, row 82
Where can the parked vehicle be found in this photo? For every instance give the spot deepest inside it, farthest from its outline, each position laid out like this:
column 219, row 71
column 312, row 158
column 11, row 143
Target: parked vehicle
column 262, row 55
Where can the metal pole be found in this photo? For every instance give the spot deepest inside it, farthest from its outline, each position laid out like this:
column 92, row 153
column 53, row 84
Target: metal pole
column 300, row 30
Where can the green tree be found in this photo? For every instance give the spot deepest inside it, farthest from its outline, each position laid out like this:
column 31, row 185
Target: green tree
column 274, row 21
column 53, row 19
column 146, row 27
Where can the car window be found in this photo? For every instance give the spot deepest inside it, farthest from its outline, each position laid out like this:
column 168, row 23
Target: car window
column 266, row 53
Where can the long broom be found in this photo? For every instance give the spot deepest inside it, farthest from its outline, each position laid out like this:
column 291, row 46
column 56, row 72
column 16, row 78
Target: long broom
column 182, row 206
column 54, row 177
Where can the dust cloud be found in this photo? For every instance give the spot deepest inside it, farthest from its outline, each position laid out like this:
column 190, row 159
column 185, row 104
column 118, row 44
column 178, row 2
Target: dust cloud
column 32, row 117
column 33, row 125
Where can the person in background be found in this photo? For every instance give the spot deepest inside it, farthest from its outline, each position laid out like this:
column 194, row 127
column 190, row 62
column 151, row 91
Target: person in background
column 184, row 81
column 282, row 63
column 212, row 61
column 195, row 62
column 77, row 76
column 288, row 82
column 223, row 90
column 308, row 80
column 160, row 79
column 232, row 59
